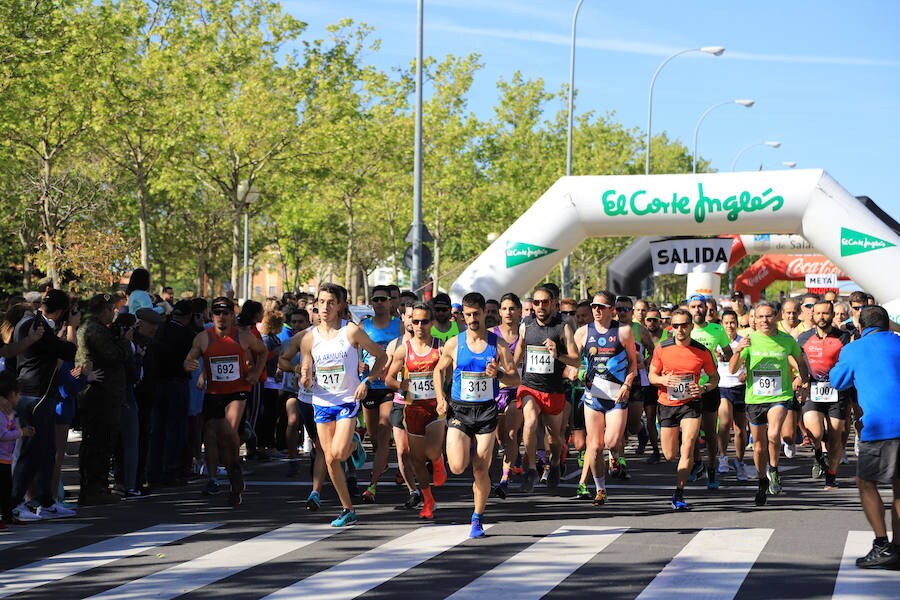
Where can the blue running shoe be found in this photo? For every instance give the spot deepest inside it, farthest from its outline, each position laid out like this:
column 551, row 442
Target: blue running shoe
column 697, row 471
column 712, row 479
column 313, row 501
column 347, row 517
column 359, row 453
column 477, row 529
column 678, row 504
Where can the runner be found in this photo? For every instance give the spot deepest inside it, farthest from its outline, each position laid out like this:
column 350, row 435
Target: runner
column 608, row 350
column 732, row 410
column 381, row 329
column 232, row 364
column 653, row 323
column 770, row 356
column 444, row 327
column 714, row 339
column 547, row 346
column 826, row 409
column 416, row 358
column 509, row 416
column 331, row 352
column 478, row 359
column 676, row 370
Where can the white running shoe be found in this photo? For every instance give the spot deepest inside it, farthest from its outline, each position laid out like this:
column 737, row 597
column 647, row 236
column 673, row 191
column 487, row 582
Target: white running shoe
column 23, row 514
column 740, row 470
column 844, row 459
column 55, row 511
column 724, row 467
column 789, row 449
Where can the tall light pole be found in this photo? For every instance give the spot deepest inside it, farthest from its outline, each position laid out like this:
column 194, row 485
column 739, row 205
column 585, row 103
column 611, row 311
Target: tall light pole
column 770, row 144
column 744, row 103
column 415, row 273
column 790, row 164
column 714, row 50
column 567, row 273
column 248, row 194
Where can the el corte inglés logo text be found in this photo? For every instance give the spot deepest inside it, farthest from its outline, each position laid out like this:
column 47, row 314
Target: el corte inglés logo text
column 520, row 252
column 855, row 242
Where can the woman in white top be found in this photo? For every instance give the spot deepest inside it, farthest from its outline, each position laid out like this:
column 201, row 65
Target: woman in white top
column 732, row 413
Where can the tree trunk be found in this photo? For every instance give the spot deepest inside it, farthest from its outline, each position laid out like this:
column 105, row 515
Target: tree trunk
column 235, row 252
column 27, row 249
column 201, row 275
column 143, row 198
column 436, row 269
column 163, row 274
column 365, row 285
column 348, row 269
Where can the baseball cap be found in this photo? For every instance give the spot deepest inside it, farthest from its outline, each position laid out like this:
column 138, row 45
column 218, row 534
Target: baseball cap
column 183, row 308
column 737, row 294
column 456, row 306
column 441, row 299
column 148, row 315
column 222, row 303
column 694, row 297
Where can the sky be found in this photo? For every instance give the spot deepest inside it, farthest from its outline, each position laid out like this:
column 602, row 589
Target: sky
column 825, row 75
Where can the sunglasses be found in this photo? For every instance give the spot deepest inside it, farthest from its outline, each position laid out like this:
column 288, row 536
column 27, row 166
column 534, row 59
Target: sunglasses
column 600, row 306
column 380, row 299
column 680, row 325
column 621, row 309
column 567, row 312
column 420, row 321
column 541, row 302
column 857, row 307
column 651, row 318
column 222, row 311
column 809, row 305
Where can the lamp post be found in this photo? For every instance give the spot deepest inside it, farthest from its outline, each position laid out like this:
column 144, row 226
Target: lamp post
column 741, row 102
column 714, row 50
column 248, row 194
column 415, row 272
column 567, row 273
column 770, row 144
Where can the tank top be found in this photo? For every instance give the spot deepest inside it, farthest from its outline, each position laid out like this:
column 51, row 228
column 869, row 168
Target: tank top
column 445, row 335
column 605, row 355
column 225, row 364
column 470, row 383
column 336, row 369
column 512, row 348
column 419, row 370
column 542, row 372
column 382, row 337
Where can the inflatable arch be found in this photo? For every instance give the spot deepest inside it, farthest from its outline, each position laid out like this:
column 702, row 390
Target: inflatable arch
column 783, row 267
column 805, row 202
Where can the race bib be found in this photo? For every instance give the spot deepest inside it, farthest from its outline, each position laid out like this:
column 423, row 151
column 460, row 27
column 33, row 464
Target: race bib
column 225, row 368
column 476, row 387
column 681, row 390
column 331, row 378
column 538, row 360
column 421, row 385
column 767, row 383
column 604, row 389
column 821, row 391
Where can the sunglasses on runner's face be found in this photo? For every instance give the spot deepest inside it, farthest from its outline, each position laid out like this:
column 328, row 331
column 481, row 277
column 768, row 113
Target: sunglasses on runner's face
column 222, row 311
column 681, row 325
column 651, row 318
column 600, row 306
column 857, row 307
column 621, row 309
column 420, row 321
column 381, row 299
column 811, row 305
column 541, row 302
column 567, row 312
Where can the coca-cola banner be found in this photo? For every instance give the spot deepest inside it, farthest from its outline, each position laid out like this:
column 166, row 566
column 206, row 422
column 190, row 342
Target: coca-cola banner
column 683, row 256
column 783, row 267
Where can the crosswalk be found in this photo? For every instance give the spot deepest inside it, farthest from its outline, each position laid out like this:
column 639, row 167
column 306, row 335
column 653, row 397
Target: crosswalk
column 515, row 560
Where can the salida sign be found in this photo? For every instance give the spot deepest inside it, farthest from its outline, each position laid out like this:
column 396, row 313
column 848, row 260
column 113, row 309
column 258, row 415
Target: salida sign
column 681, row 257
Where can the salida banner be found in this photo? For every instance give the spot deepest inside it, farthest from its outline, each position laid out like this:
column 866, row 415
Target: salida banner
column 684, row 256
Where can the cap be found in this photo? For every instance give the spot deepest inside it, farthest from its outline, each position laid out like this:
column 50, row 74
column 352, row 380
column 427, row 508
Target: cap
column 737, row 294
column 183, row 308
column 456, row 306
column 148, row 315
column 379, row 295
column 441, row 299
column 221, row 303
column 695, row 297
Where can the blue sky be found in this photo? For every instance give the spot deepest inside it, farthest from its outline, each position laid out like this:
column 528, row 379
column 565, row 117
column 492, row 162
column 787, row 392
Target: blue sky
column 825, row 75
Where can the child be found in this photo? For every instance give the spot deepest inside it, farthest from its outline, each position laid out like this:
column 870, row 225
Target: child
column 9, row 433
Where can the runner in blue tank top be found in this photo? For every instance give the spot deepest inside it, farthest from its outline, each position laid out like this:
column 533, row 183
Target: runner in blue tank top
column 478, row 359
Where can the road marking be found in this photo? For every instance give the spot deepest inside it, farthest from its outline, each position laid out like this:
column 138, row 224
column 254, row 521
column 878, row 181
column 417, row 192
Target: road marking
column 360, row 574
column 33, row 532
column 712, row 565
column 853, row 583
column 535, row 571
column 204, row 570
column 95, row 555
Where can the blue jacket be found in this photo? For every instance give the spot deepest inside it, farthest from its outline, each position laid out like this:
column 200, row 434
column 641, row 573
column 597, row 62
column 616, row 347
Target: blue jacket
column 872, row 365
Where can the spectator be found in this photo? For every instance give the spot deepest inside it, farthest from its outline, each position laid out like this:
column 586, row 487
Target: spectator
column 9, row 433
column 138, row 292
column 272, row 410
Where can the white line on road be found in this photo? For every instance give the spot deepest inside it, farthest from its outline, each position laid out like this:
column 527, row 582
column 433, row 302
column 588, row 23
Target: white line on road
column 853, row 583
column 712, row 565
column 95, row 555
column 360, row 574
column 535, row 571
column 204, row 570
column 24, row 535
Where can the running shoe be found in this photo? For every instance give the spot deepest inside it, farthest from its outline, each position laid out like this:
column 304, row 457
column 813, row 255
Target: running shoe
column 313, row 502
column 580, row 459
column 439, row 477
column 502, row 489
column 545, row 475
column 697, row 471
column 135, row 493
column 517, row 468
column 622, row 467
column 613, row 467
column 723, row 467
column 643, row 437
column 774, row 483
column 790, row 450
column 819, row 467
column 477, row 530
column 582, row 492
column 412, row 503
column 655, row 458
column 347, row 517
column 553, row 479
column 427, row 511
column 54, row 511
column 527, row 486
column 359, row 453
column 844, row 459
column 678, row 503
column 761, row 490
column 879, row 557
column 830, row 481
column 23, row 514
column 600, row 498
column 212, row 488
column 712, row 479
column 368, row 495
column 740, row 470
column 236, row 497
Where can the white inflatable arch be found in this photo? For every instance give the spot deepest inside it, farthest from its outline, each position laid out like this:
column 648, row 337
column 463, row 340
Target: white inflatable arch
column 804, row 202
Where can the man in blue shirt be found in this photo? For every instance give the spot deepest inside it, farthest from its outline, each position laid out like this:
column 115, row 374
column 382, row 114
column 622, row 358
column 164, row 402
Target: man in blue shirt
column 872, row 365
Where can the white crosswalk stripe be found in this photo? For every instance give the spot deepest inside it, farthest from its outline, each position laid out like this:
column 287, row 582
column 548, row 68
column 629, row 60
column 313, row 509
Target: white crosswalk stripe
column 34, row 532
column 853, row 583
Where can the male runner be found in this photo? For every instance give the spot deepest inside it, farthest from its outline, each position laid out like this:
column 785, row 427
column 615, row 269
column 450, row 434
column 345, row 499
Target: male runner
column 331, row 355
column 509, row 418
column 676, row 368
column 478, row 359
column 444, row 327
column 491, row 313
column 714, row 339
column 381, row 329
column 653, row 323
column 416, row 359
column 547, row 345
column 826, row 409
column 770, row 357
column 232, row 363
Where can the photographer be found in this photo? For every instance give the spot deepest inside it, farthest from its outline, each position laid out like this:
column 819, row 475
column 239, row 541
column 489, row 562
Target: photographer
column 100, row 405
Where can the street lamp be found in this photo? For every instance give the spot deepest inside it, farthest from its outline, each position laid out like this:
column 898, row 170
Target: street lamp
column 567, row 277
column 415, row 272
column 714, row 50
column 248, row 195
column 744, row 103
column 741, row 153
column 790, row 164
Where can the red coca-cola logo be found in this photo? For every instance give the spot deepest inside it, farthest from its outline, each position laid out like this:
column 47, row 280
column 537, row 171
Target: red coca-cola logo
column 754, row 281
column 800, row 267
